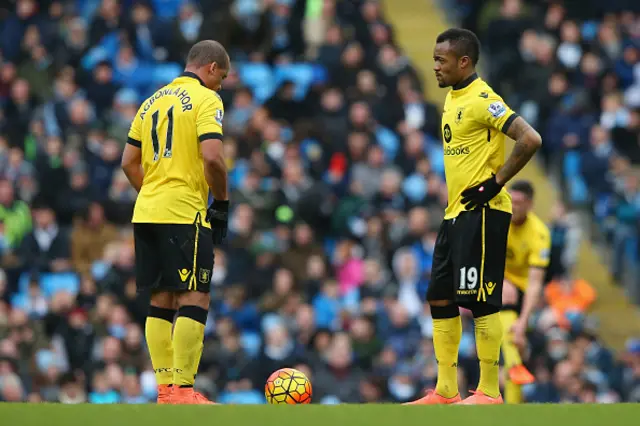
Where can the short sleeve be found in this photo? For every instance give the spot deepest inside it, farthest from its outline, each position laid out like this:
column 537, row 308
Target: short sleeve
column 209, row 118
column 540, row 249
column 135, row 132
column 493, row 112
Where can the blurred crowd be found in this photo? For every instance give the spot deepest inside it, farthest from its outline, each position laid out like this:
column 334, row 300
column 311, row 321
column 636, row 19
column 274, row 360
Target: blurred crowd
column 337, row 182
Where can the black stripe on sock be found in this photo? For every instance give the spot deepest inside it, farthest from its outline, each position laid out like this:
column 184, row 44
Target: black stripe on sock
column 162, row 313
column 196, row 313
column 444, row 312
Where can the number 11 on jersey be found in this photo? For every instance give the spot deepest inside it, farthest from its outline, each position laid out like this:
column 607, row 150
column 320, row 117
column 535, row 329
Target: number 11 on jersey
column 154, row 135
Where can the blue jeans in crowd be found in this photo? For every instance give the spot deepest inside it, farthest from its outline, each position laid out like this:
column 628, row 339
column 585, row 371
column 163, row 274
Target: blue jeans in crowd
column 624, row 240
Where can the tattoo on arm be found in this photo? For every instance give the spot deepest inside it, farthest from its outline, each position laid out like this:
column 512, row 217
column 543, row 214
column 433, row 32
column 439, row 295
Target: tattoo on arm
column 527, row 143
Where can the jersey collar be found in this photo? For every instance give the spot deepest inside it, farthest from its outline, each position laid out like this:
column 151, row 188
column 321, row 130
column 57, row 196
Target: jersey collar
column 465, row 83
column 192, row 75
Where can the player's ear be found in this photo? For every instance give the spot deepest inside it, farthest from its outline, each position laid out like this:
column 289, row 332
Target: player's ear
column 464, row 61
column 212, row 67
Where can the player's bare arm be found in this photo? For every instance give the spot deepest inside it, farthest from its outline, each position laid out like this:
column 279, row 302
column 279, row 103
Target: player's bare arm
column 215, row 168
column 527, row 143
column 529, row 303
column 215, row 172
column 131, row 165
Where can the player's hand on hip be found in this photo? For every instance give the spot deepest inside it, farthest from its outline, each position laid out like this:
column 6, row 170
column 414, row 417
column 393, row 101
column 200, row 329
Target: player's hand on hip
column 481, row 194
column 218, row 217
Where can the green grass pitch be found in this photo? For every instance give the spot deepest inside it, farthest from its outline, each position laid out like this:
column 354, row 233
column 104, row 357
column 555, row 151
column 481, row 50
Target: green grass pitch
column 318, row 415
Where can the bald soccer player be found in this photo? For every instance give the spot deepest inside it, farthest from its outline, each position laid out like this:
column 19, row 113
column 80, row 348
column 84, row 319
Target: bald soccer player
column 173, row 158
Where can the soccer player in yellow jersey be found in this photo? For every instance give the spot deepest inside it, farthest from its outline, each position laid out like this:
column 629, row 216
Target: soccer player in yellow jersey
column 528, row 250
column 469, row 256
column 173, row 158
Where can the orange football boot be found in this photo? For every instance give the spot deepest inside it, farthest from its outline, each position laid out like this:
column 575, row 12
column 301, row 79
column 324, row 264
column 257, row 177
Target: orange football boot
column 519, row 375
column 164, row 394
column 432, row 398
column 479, row 398
column 183, row 396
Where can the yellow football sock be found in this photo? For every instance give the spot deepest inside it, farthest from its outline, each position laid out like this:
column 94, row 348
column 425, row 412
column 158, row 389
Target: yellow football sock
column 198, row 358
column 488, row 339
column 446, row 343
column 188, row 338
column 158, row 335
column 509, row 350
column 512, row 393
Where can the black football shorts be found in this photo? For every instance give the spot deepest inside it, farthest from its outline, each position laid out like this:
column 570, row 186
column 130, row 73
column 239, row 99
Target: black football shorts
column 173, row 257
column 469, row 258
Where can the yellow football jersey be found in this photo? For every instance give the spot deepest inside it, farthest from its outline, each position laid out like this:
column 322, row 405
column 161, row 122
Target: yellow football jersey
column 473, row 123
column 168, row 128
column 528, row 246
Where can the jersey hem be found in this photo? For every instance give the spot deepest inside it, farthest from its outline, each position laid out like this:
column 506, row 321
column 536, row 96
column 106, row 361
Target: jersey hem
column 132, row 141
column 206, row 136
column 538, row 266
column 507, row 124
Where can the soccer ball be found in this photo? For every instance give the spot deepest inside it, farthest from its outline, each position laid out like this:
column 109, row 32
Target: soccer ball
column 288, row 386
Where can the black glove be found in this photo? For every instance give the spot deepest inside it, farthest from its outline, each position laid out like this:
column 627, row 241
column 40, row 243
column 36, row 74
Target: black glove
column 218, row 217
column 480, row 194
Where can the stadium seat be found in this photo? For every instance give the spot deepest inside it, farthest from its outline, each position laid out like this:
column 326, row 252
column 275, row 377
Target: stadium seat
column 415, row 188
column 389, row 142
column 94, row 56
column 578, row 191
column 99, row 270
column 23, row 283
column 238, row 173
column 106, row 50
column 259, row 78
column 52, row 283
column 589, row 30
column 301, row 75
column 436, row 157
column 19, row 301
column 571, row 166
column 320, row 74
column 86, row 8
column 631, row 249
column 251, row 343
column 164, row 73
column 329, row 247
